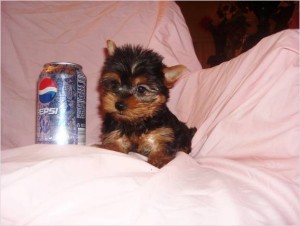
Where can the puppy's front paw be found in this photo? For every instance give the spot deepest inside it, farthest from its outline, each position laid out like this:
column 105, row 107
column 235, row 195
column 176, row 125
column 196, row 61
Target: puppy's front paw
column 159, row 159
column 111, row 147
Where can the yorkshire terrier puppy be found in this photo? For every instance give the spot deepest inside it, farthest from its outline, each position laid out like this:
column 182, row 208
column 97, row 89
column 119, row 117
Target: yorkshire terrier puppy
column 134, row 90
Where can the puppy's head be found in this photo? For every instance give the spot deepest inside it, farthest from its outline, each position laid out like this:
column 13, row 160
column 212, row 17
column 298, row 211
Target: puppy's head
column 135, row 83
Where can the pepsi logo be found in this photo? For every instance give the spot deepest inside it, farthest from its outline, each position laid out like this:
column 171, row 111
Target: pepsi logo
column 47, row 90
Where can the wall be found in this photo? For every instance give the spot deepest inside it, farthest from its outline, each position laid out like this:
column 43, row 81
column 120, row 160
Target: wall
column 193, row 12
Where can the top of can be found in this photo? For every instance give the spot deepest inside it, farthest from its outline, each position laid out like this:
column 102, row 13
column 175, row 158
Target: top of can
column 62, row 63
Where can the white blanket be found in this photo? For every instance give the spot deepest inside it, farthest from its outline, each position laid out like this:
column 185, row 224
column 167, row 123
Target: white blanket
column 74, row 185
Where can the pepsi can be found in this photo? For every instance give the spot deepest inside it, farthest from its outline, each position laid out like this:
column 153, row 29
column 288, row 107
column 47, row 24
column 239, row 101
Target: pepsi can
column 61, row 104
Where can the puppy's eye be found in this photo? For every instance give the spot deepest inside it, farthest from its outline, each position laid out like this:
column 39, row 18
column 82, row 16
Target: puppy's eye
column 141, row 89
column 114, row 85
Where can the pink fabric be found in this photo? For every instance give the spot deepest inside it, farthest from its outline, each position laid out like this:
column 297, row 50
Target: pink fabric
column 35, row 33
column 247, row 109
column 81, row 185
column 243, row 168
column 248, row 106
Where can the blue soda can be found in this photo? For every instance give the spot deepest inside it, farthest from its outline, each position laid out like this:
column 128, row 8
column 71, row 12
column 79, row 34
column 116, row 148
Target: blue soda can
column 61, row 104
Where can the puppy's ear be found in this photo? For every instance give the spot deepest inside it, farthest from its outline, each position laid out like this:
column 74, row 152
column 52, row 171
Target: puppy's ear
column 172, row 74
column 111, row 47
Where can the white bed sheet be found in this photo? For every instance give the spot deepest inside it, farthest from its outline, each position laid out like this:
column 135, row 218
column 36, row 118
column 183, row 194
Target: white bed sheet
column 74, row 185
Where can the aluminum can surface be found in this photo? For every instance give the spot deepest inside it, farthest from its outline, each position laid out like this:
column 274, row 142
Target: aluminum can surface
column 61, row 104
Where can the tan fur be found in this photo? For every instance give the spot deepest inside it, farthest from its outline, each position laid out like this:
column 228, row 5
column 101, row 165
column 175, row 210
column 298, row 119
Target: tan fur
column 139, row 80
column 111, row 47
column 139, row 110
column 172, row 74
column 159, row 159
column 111, row 76
column 108, row 102
column 151, row 144
column 155, row 140
column 114, row 141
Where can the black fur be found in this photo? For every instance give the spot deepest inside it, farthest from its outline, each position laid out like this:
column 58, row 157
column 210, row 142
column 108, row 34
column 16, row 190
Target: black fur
column 148, row 63
column 129, row 62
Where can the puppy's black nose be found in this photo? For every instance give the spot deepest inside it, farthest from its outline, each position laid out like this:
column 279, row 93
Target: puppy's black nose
column 120, row 106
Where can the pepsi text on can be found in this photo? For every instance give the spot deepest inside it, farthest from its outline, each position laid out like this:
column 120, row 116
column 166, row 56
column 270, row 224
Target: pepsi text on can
column 61, row 104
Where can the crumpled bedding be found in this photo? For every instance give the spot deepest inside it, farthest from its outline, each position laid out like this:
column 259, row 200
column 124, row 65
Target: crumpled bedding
column 243, row 168
column 74, row 185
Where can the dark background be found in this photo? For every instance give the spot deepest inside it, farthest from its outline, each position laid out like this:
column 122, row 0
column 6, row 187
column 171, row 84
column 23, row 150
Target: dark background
column 221, row 30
